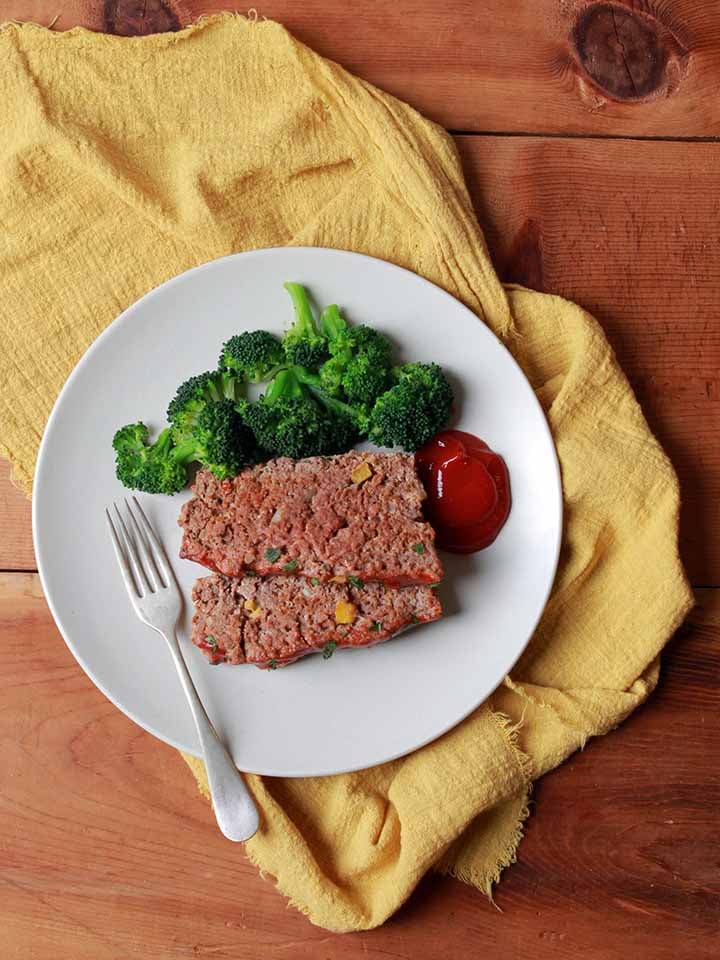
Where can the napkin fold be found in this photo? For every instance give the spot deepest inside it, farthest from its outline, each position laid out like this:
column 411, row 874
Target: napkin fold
column 126, row 161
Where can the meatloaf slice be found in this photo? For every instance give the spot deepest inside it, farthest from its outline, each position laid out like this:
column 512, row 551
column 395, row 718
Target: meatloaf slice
column 276, row 621
column 358, row 514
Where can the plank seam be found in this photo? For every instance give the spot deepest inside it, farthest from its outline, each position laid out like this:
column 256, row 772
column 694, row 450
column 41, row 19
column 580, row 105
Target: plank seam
column 581, row 136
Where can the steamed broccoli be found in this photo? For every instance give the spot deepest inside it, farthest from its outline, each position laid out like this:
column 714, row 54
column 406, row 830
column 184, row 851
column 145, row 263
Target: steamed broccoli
column 365, row 378
column 414, row 409
column 302, row 343
column 332, row 323
column 359, row 368
column 218, row 440
column 343, row 338
column 150, row 467
column 288, row 422
column 315, row 385
column 193, row 395
column 204, row 429
column 330, row 384
column 254, row 356
column 330, row 376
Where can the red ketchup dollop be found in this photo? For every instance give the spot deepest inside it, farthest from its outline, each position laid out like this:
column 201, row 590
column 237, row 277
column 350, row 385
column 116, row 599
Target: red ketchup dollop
column 468, row 490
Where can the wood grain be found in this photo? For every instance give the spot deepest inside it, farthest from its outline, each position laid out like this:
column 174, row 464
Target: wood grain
column 627, row 229
column 633, row 68
column 109, row 852
column 16, row 548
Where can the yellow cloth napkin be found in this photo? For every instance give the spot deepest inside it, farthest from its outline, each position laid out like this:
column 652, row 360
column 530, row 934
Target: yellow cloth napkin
column 126, row 161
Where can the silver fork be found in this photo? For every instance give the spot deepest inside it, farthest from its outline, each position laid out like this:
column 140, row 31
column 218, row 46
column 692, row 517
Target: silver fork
column 156, row 597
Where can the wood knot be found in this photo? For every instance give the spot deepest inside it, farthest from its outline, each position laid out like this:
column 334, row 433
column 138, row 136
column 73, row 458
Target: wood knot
column 135, row 18
column 625, row 53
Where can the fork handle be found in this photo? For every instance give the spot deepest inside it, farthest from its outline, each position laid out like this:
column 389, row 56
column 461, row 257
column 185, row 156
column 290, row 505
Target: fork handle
column 235, row 809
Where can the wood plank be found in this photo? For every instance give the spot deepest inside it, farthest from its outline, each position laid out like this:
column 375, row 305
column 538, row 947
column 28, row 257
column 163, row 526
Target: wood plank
column 16, row 547
column 627, row 229
column 108, row 847
column 530, row 66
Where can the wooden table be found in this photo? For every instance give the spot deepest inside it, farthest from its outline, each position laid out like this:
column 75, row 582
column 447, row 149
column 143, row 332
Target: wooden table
column 588, row 137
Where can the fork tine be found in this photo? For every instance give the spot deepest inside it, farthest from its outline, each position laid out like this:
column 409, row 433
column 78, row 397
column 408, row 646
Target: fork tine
column 145, row 549
column 158, row 551
column 122, row 559
column 141, row 578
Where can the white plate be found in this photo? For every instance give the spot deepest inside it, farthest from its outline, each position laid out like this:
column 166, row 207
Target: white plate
column 314, row 717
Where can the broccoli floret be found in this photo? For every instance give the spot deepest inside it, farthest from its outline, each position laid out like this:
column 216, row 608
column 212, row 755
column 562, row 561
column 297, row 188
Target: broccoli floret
column 150, row 467
column 293, row 427
column 192, row 396
column 359, row 368
column 302, row 343
column 314, row 384
column 330, row 376
column 362, row 339
column 219, row 440
column 364, row 378
column 414, row 409
column 337, row 424
column 345, row 340
column 253, row 356
column 204, row 429
column 288, row 422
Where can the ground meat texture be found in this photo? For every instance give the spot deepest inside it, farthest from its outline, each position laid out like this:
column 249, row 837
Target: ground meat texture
column 276, row 621
column 309, row 518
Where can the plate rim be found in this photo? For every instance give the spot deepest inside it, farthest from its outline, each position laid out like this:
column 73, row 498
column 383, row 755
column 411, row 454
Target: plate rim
column 86, row 358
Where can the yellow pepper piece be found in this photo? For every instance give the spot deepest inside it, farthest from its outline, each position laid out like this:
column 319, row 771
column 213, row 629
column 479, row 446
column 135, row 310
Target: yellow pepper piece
column 337, row 580
column 345, row 612
column 362, row 473
column 253, row 609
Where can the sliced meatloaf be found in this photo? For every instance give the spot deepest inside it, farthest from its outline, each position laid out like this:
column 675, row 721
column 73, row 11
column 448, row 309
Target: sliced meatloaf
column 276, row 621
column 357, row 514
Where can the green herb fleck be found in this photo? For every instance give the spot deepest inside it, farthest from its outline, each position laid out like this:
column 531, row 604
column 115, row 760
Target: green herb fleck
column 436, row 584
column 376, row 626
column 356, row 582
column 329, row 649
column 314, row 581
column 250, row 573
column 419, row 548
column 272, row 665
column 212, row 643
column 272, row 554
column 414, row 619
column 290, row 566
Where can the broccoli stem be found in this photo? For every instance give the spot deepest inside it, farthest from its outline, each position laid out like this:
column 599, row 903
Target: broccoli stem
column 213, row 391
column 331, row 322
column 284, row 385
column 304, row 318
column 163, row 444
column 312, row 382
column 299, row 382
column 184, row 452
column 230, row 384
